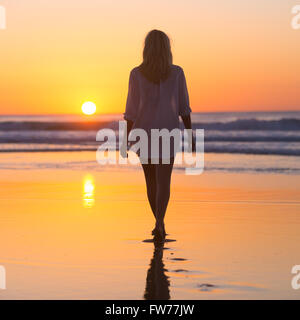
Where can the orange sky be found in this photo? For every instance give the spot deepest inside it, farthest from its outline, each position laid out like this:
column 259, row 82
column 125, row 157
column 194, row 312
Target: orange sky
column 237, row 54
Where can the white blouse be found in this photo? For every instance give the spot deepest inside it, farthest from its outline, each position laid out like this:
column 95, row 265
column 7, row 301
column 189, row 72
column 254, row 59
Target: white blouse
column 157, row 106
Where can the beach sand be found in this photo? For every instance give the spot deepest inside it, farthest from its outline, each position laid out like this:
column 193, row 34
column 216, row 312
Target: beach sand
column 78, row 233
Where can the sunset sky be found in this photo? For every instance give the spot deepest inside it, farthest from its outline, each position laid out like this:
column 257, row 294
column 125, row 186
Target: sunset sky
column 238, row 55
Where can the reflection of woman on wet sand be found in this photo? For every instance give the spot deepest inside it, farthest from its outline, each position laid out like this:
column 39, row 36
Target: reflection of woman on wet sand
column 157, row 96
column 157, row 283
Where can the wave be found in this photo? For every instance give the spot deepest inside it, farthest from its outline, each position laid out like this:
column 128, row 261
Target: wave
column 257, row 149
column 236, row 136
column 87, row 141
column 284, row 124
column 89, row 137
column 253, row 151
column 52, row 126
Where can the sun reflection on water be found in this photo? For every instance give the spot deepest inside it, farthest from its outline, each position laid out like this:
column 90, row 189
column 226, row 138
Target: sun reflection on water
column 88, row 191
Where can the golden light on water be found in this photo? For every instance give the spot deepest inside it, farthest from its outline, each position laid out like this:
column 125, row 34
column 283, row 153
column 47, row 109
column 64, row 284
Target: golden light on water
column 88, row 108
column 88, row 191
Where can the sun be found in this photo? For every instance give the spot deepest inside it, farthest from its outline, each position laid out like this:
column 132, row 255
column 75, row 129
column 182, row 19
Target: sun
column 88, row 108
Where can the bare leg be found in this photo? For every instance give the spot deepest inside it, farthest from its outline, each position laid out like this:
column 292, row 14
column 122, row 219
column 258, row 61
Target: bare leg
column 163, row 182
column 150, row 177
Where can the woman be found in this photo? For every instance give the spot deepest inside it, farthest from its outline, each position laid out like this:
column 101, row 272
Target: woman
column 157, row 96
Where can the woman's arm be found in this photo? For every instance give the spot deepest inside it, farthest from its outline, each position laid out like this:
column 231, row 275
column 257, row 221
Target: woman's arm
column 129, row 127
column 131, row 110
column 185, row 111
column 123, row 148
column 187, row 121
column 188, row 125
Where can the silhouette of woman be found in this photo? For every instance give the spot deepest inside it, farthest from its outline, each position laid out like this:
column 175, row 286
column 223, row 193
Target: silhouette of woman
column 157, row 96
column 157, row 283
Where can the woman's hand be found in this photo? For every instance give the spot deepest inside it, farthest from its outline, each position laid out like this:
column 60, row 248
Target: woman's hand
column 124, row 144
column 193, row 144
column 191, row 141
column 123, row 150
column 191, row 138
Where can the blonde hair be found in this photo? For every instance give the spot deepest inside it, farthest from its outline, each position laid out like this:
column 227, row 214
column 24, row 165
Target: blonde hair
column 157, row 57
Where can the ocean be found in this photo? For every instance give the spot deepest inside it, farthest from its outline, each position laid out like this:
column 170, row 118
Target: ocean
column 260, row 141
column 72, row 228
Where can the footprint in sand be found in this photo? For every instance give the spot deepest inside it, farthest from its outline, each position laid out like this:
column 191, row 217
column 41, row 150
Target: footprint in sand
column 181, row 270
column 206, row 287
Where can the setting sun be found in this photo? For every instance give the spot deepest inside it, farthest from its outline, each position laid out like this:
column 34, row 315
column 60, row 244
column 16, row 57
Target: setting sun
column 88, row 108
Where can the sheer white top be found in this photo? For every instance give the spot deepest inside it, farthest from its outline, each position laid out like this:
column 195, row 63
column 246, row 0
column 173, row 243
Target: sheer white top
column 157, row 106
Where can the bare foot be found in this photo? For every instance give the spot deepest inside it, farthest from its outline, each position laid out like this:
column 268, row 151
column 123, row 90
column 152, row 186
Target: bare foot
column 155, row 231
column 160, row 231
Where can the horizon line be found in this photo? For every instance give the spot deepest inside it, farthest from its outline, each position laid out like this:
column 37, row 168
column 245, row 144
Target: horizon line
column 119, row 113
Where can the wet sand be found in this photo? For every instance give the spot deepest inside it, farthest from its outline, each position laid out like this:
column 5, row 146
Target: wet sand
column 79, row 234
